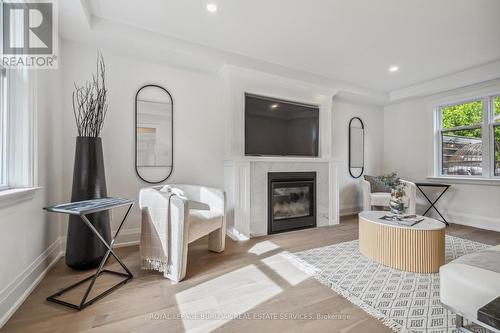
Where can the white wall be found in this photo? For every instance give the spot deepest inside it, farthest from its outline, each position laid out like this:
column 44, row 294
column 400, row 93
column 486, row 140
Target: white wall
column 201, row 129
column 372, row 116
column 29, row 240
column 199, row 125
column 409, row 149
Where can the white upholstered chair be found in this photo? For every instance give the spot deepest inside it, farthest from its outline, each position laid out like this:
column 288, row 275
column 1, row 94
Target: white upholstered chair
column 382, row 198
column 196, row 212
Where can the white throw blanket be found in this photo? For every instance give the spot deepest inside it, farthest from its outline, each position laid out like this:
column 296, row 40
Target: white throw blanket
column 155, row 210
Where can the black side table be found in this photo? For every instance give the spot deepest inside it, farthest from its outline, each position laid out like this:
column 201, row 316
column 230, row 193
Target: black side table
column 444, row 188
column 83, row 208
column 490, row 314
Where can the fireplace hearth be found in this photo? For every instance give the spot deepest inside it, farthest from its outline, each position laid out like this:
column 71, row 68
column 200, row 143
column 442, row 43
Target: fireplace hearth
column 291, row 201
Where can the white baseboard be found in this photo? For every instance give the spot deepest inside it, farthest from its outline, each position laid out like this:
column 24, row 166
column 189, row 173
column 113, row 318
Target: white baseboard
column 473, row 220
column 127, row 237
column 12, row 296
column 236, row 235
column 350, row 210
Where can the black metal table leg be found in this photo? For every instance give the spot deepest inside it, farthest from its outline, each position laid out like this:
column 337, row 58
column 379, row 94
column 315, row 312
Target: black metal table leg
column 84, row 303
column 433, row 203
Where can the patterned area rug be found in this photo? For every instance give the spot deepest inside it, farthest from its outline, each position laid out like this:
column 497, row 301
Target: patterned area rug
column 404, row 301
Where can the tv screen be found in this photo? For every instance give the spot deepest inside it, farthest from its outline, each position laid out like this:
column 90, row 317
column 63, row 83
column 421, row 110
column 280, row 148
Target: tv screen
column 276, row 127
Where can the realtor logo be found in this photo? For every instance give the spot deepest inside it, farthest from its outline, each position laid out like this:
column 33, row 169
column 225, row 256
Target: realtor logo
column 29, row 32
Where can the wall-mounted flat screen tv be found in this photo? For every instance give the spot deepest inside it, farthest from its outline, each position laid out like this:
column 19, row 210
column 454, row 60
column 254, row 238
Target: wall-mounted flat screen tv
column 275, row 127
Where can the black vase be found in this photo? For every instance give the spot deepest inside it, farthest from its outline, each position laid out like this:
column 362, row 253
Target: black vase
column 84, row 250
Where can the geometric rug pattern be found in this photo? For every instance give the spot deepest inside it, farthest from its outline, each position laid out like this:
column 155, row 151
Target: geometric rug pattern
column 404, row 301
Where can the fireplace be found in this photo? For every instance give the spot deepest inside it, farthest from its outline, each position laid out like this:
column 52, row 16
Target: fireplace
column 291, row 201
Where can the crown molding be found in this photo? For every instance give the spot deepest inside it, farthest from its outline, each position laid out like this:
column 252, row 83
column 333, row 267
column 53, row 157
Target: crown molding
column 468, row 77
column 88, row 12
column 379, row 99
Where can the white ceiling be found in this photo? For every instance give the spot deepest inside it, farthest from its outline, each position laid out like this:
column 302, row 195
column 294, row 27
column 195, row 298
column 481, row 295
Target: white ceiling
column 351, row 40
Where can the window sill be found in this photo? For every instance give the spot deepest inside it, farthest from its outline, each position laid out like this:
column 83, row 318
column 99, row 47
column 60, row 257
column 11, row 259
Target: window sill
column 466, row 180
column 13, row 196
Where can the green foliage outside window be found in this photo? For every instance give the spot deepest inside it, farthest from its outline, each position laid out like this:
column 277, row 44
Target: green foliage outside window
column 467, row 114
column 497, row 109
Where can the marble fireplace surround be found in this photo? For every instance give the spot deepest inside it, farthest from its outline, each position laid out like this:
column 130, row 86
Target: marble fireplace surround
column 247, row 198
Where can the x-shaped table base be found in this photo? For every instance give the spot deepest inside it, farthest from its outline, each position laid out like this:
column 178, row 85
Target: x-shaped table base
column 84, row 303
column 433, row 203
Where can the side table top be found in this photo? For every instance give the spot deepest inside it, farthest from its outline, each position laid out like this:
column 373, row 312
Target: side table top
column 427, row 224
column 490, row 314
column 89, row 206
column 423, row 184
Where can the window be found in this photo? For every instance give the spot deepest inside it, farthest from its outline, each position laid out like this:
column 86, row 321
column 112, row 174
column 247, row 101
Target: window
column 3, row 129
column 469, row 138
column 17, row 131
column 496, row 134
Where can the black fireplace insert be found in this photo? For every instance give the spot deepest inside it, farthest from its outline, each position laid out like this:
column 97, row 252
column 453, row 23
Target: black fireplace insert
column 291, row 201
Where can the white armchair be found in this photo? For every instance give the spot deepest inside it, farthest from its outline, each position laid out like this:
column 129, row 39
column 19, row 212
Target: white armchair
column 382, row 198
column 196, row 212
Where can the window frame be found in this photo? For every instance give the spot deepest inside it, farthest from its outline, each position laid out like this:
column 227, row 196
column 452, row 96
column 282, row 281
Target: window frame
column 4, row 163
column 4, row 135
column 492, row 126
column 487, row 136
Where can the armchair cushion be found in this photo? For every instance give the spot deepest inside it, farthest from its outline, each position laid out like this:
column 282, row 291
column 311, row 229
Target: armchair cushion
column 203, row 222
column 380, row 199
column 376, row 185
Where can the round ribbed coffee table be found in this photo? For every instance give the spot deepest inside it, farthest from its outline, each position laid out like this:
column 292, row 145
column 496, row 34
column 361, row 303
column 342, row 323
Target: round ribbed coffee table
column 419, row 248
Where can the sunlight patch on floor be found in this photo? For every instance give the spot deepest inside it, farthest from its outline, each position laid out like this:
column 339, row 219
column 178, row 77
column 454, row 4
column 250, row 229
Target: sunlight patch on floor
column 285, row 269
column 211, row 304
column 263, row 247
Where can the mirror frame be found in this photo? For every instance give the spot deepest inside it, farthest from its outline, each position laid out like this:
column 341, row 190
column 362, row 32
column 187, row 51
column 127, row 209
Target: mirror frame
column 135, row 134
column 363, row 147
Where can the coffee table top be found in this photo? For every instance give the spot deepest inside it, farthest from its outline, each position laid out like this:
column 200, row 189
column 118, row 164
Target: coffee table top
column 427, row 224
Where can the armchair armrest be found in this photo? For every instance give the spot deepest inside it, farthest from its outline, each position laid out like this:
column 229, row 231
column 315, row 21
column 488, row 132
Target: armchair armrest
column 179, row 233
column 214, row 198
column 411, row 192
column 169, row 238
column 366, row 192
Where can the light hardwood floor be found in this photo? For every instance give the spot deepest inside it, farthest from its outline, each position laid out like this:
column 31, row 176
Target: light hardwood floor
column 248, row 278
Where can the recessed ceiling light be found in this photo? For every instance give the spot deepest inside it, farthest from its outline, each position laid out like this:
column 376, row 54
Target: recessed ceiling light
column 393, row 69
column 212, row 8
column 274, row 106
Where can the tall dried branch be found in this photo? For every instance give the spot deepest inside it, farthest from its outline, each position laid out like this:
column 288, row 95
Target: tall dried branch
column 89, row 102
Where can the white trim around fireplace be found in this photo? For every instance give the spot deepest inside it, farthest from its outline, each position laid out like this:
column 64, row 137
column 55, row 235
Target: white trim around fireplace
column 245, row 182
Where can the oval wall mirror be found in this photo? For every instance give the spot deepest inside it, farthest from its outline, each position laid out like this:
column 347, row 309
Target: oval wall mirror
column 154, row 135
column 356, row 147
